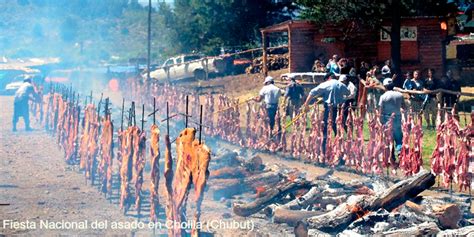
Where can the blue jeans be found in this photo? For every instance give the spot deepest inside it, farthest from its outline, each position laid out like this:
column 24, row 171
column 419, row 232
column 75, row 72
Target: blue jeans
column 397, row 130
column 271, row 112
column 21, row 109
column 333, row 110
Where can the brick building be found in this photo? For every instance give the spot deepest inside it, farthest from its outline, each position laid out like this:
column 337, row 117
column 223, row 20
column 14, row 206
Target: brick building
column 422, row 42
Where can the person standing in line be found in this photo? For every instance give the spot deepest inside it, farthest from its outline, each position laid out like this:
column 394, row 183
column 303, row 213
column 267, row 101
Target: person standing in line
column 333, row 93
column 429, row 103
column 416, row 100
column 373, row 83
column 270, row 94
column 449, row 83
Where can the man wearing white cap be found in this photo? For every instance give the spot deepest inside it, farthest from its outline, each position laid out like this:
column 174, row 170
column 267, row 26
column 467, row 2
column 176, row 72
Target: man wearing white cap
column 20, row 104
column 270, row 95
column 391, row 102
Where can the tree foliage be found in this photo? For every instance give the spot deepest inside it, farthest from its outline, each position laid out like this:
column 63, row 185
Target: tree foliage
column 205, row 25
column 89, row 30
column 369, row 11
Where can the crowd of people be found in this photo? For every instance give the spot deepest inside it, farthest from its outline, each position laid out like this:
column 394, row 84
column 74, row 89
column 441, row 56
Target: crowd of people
column 368, row 88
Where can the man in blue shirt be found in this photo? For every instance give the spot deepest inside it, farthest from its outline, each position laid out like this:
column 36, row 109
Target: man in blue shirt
column 391, row 103
column 333, row 93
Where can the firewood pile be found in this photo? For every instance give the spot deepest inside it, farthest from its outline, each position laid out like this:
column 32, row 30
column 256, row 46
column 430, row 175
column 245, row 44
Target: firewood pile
column 328, row 206
column 274, row 62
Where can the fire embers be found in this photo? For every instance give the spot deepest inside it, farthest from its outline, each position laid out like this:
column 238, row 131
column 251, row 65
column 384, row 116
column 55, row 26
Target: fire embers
column 192, row 167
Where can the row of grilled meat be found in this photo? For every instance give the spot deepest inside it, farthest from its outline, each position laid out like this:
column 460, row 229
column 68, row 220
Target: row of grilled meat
column 88, row 138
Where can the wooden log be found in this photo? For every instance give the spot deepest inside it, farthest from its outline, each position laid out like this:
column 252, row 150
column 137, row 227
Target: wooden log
column 271, row 196
column 448, row 215
column 304, row 201
column 226, row 188
column 357, row 206
column 423, row 229
column 465, row 231
column 291, row 217
column 229, row 173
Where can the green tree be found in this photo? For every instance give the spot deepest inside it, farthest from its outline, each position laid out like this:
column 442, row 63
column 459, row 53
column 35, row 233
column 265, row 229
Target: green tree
column 208, row 25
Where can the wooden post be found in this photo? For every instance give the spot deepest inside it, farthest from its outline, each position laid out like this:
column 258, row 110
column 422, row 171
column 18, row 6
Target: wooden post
column 133, row 114
column 264, row 54
column 106, row 112
column 167, row 116
column 98, row 106
column 187, row 106
column 289, row 48
column 154, row 110
column 123, row 107
column 200, row 126
column 143, row 116
column 149, row 48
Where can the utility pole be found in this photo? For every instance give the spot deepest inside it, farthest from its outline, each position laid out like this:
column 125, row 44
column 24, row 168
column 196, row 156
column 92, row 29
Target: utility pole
column 149, row 43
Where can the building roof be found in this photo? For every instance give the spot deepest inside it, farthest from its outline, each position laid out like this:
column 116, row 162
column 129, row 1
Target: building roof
column 293, row 24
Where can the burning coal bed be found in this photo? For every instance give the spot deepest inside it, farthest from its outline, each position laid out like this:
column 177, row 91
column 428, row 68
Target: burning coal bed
column 330, row 205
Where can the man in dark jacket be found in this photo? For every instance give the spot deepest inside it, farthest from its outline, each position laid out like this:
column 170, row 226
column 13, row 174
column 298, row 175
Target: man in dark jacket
column 294, row 95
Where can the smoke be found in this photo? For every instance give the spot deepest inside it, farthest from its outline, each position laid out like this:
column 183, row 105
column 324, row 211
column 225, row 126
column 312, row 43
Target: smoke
column 80, row 32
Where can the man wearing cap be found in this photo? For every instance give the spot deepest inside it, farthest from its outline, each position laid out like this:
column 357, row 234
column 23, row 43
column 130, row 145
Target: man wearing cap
column 333, row 93
column 391, row 102
column 294, row 95
column 20, row 104
column 270, row 95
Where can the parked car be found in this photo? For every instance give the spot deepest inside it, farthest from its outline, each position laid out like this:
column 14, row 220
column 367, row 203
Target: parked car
column 189, row 66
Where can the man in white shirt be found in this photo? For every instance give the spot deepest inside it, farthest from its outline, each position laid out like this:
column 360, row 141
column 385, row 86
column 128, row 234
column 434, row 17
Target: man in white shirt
column 20, row 104
column 270, row 95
